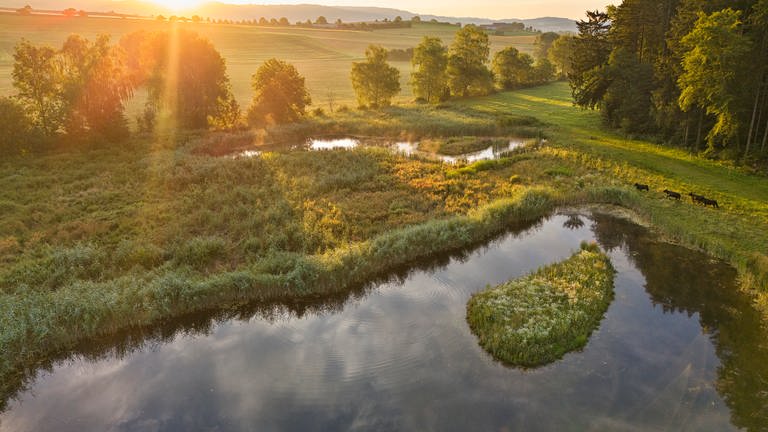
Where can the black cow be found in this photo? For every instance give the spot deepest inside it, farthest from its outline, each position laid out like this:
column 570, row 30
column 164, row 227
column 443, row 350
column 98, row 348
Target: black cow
column 641, row 187
column 709, row 202
column 672, row 194
column 697, row 199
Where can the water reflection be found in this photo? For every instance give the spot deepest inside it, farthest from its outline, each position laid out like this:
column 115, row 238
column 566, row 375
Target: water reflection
column 398, row 355
column 492, row 152
column 329, row 144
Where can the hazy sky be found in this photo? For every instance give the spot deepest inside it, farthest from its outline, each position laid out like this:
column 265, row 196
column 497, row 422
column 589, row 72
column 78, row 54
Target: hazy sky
column 474, row 8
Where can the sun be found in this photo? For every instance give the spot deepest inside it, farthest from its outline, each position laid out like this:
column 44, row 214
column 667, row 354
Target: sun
column 178, row 4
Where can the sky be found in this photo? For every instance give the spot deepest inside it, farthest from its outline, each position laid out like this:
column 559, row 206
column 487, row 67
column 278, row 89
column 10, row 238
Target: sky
column 472, row 8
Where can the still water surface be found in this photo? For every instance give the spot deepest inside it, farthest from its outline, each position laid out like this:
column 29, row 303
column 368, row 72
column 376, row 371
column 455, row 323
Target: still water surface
column 406, row 148
column 678, row 349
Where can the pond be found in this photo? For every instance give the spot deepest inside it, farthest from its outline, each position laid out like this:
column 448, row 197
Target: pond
column 403, row 147
column 492, row 152
column 679, row 349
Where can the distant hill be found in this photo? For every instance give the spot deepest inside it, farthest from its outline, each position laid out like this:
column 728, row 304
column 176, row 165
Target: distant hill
column 302, row 12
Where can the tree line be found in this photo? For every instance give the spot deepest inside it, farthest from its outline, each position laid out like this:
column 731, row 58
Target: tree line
column 440, row 72
column 691, row 72
column 79, row 90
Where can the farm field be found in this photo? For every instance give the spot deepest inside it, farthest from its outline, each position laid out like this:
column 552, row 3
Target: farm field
column 323, row 56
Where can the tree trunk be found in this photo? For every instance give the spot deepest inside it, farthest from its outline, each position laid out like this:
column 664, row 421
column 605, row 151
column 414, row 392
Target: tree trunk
column 765, row 138
column 687, row 128
column 698, row 132
column 754, row 117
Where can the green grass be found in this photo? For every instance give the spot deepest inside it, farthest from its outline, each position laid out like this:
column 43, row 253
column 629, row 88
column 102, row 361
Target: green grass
column 536, row 319
column 323, row 57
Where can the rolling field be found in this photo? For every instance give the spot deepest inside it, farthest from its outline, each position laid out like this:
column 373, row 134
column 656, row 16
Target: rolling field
column 323, row 56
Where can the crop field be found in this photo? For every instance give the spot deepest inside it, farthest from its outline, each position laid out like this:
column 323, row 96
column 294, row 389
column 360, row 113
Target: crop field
column 323, row 56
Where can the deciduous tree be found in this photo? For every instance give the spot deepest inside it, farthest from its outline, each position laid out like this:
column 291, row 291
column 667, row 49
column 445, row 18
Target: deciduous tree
column 512, row 68
column 430, row 75
column 375, row 82
column 711, row 78
column 468, row 74
column 280, row 94
column 38, row 81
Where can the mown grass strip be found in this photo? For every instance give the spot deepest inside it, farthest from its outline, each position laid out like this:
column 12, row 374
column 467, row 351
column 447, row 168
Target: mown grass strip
column 536, row 319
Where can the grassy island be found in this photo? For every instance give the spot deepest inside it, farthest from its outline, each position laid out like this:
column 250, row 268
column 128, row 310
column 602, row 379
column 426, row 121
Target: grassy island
column 536, row 319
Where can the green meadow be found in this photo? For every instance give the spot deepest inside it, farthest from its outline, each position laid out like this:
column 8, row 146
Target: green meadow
column 323, row 56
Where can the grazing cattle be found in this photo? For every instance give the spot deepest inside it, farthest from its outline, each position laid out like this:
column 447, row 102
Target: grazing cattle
column 697, row 199
column 672, row 194
column 709, row 202
column 641, row 187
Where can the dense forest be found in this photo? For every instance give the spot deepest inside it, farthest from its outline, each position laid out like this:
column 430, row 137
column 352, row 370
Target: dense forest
column 691, row 72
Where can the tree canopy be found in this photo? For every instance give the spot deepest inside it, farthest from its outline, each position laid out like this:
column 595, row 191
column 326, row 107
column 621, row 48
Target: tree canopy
column 185, row 75
column 429, row 77
column 280, row 94
column 375, row 82
column 690, row 71
column 468, row 74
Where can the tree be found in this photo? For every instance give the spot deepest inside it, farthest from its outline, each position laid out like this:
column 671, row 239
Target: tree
column 626, row 102
column 716, row 50
column 467, row 71
column 263, row 21
column 513, row 69
column 416, row 19
column 321, row 20
column 543, row 71
column 560, row 55
column 79, row 89
column 280, row 94
column 69, row 12
column 543, row 43
column 284, row 22
column 95, row 87
column 26, row 10
column 188, row 85
column 374, row 80
column 37, row 79
column 592, row 49
column 430, row 76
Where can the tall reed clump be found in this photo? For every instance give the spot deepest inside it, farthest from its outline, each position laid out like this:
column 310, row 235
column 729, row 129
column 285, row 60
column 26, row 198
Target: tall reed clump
column 537, row 319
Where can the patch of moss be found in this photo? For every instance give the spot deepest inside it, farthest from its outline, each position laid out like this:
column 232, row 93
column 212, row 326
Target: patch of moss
column 536, row 319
